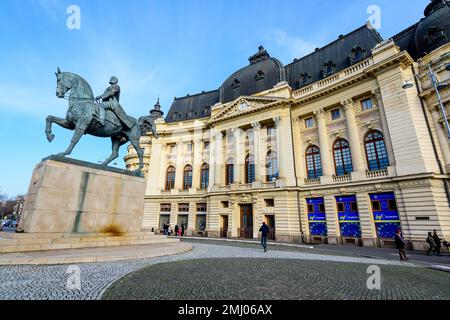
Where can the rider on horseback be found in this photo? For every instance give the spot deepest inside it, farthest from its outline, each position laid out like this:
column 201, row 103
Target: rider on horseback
column 111, row 98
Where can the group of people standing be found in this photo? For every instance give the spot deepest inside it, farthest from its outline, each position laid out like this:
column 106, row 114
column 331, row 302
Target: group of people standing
column 433, row 241
column 168, row 231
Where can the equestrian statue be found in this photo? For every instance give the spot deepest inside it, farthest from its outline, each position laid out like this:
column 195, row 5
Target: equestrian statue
column 101, row 117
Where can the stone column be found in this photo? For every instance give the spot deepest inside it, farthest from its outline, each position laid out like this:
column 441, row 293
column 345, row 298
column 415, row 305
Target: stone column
column 387, row 136
column 323, row 141
column 354, row 141
column 219, row 157
column 263, row 154
column 281, row 173
column 197, row 166
column 298, row 152
column 444, row 141
column 179, row 168
column 334, row 232
column 238, row 155
column 212, row 160
column 259, row 168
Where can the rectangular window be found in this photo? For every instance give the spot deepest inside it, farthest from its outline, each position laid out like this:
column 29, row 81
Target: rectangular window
column 322, row 207
column 225, row 204
column 366, row 104
column 354, row 207
column 335, row 114
column 309, row 123
column 310, row 208
column 271, row 135
column 201, row 207
column 392, row 205
column 183, row 207
column 269, row 202
column 376, row 205
column 230, row 174
column 165, row 207
column 340, row 207
column 189, row 147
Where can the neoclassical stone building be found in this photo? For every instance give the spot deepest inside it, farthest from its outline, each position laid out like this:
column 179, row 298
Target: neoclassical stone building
column 331, row 148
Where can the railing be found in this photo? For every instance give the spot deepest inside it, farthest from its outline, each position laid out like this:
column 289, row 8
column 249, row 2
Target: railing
column 344, row 178
column 224, row 188
column 377, row 174
column 245, row 186
column 246, row 233
column 346, row 73
column 164, row 191
column 271, row 184
column 312, row 181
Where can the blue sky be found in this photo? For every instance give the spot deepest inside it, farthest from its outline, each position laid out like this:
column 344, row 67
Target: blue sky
column 157, row 48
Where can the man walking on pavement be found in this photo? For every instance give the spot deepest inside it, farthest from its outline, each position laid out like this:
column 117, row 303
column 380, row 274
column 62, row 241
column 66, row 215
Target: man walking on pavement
column 437, row 242
column 264, row 232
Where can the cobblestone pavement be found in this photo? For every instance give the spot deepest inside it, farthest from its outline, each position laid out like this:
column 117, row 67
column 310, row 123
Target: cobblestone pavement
column 50, row 282
column 272, row 279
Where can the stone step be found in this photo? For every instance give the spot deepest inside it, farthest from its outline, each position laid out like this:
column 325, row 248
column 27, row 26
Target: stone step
column 18, row 246
column 47, row 235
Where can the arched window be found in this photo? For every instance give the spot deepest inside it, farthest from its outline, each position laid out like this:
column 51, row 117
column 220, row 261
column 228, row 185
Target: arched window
column 187, row 177
column 377, row 158
column 272, row 166
column 342, row 157
column 204, row 177
column 229, row 174
column 249, row 169
column 170, row 178
column 313, row 162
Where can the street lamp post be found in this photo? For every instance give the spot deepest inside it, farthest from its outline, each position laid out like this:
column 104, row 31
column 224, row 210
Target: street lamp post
column 437, row 87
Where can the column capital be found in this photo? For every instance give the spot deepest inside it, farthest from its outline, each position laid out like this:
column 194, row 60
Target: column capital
column 348, row 104
column 376, row 93
column 277, row 121
column 256, row 125
column 218, row 136
column 319, row 114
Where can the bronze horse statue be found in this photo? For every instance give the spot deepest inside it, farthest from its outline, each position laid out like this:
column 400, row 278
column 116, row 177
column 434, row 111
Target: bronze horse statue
column 85, row 116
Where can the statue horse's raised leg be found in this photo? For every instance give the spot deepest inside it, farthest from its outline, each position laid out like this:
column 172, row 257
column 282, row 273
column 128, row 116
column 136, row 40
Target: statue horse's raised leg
column 80, row 130
column 59, row 121
column 134, row 136
column 116, row 143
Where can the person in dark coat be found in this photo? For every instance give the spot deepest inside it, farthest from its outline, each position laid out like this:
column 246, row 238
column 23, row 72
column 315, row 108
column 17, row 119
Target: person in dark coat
column 264, row 232
column 430, row 241
column 176, row 229
column 400, row 245
column 182, row 229
column 437, row 242
column 165, row 228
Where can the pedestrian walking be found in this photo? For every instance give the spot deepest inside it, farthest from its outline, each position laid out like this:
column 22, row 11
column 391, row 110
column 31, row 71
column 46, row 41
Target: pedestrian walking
column 400, row 245
column 169, row 230
column 165, row 228
column 437, row 242
column 431, row 243
column 182, row 229
column 176, row 230
column 264, row 232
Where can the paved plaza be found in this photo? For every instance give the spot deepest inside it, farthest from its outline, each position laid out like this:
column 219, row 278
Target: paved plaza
column 230, row 271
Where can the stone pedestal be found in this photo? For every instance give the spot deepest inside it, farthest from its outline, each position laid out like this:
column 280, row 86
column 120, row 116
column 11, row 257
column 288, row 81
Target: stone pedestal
column 71, row 196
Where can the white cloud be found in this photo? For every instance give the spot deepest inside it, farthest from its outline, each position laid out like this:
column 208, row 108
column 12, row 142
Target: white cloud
column 289, row 47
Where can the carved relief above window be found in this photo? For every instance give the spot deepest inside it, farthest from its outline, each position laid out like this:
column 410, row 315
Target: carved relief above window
column 328, row 69
column 236, row 84
column 357, row 54
column 435, row 34
column 260, row 76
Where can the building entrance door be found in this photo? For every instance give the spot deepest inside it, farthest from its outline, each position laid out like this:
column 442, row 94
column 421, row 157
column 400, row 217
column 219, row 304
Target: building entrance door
column 246, row 229
column 224, row 227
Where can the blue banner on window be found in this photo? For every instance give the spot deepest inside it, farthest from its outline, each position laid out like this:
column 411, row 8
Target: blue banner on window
column 385, row 214
column 348, row 216
column 316, row 217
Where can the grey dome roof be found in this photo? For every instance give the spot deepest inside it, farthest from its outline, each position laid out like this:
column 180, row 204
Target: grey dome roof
column 262, row 74
column 430, row 33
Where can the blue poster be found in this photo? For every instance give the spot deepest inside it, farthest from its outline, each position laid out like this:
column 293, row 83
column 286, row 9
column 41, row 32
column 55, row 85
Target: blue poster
column 385, row 214
column 348, row 216
column 316, row 217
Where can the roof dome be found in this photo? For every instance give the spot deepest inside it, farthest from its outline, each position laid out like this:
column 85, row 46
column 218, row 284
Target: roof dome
column 262, row 74
column 433, row 31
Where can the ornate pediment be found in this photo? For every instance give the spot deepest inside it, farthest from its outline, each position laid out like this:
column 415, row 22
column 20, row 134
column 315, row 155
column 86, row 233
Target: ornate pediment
column 244, row 105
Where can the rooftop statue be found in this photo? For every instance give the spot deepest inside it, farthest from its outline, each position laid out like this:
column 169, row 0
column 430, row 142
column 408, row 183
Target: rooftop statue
column 87, row 115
